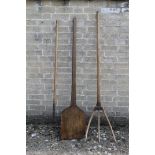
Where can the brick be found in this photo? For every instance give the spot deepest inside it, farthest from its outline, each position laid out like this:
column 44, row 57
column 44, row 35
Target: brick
column 46, row 91
column 124, row 29
column 64, row 86
column 33, row 112
column 108, row 87
column 87, row 76
column 122, row 65
column 48, row 36
column 123, row 59
column 33, row 29
column 39, row 108
column 87, row 65
column 33, row 64
column 124, row 109
column 32, row 91
column 122, row 71
column 32, row 69
column 78, row 9
column 106, row 66
column 80, row 17
column 63, row 29
column 33, row 16
column 122, row 77
column 109, row 59
column 91, row 53
column 48, row 97
column 123, row 103
column 33, row 81
column 65, row 35
column 91, row 29
column 122, row 49
column 107, row 98
column 91, row 41
column 34, row 37
column 64, row 98
column 98, row 3
column 47, row 9
column 34, row 86
column 31, row 58
column 90, row 70
column 109, row 103
column 39, row 97
column 45, row 103
column 34, row 52
column 91, row 98
column 90, row 59
column 78, row 3
column 89, row 81
column 108, row 71
column 122, row 82
column 111, row 20
column 89, row 35
column 80, row 97
column 81, row 41
column 90, row 9
column 64, row 81
column 65, row 47
column 46, row 58
column 47, row 53
column 120, row 99
column 60, row 17
column 109, row 77
column 123, row 93
column 122, row 87
column 33, row 102
column 36, row 75
column 46, row 3
column 89, row 92
column 115, row 53
column 42, row 22
column 46, row 81
column 108, row 109
column 89, row 104
column 31, row 47
column 46, row 64
column 89, row 23
column 49, row 108
column 65, row 59
column 65, row 9
column 27, row 107
column 108, row 93
column 46, row 29
column 31, row 22
column 58, row 3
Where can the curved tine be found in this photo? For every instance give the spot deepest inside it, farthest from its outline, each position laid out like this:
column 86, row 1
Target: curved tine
column 89, row 125
column 104, row 113
column 99, row 126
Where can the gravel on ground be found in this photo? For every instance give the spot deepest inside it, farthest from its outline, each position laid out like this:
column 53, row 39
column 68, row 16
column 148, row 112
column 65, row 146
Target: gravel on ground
column 45, row 140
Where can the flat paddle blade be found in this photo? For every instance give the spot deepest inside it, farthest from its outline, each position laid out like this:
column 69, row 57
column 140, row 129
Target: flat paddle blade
column 73, row 124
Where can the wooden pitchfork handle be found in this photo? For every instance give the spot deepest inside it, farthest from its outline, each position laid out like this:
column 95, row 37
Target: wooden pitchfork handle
column 55, row 72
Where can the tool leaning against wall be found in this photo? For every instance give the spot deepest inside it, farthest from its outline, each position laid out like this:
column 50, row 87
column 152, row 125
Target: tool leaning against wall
column 73, row 122
column 98, row 108
column 55, row 74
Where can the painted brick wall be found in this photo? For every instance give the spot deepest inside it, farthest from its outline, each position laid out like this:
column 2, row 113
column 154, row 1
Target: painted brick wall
column 41, row 16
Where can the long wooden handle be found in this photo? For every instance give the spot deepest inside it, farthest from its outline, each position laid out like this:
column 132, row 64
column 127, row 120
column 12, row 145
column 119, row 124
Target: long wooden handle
column 55, row 62
column 73, row 93
column 55, row 71
column 98, row 60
